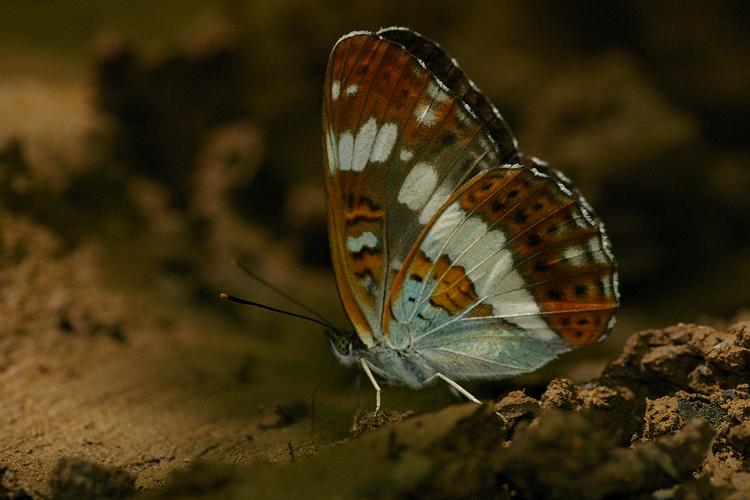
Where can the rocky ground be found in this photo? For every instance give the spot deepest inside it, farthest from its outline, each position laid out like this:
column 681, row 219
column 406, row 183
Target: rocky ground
column 669, row 418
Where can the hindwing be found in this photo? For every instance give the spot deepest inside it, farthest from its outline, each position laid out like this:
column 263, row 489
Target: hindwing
column 515, row 249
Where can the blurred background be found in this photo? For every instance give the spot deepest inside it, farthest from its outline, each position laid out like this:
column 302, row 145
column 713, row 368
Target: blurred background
column 143, row 145
column 212, row 109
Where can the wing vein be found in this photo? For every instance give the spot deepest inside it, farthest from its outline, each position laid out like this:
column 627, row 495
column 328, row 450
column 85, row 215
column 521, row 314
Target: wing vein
column 476, row 358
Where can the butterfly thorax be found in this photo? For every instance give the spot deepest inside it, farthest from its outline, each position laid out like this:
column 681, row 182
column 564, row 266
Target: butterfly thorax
column 392, row 365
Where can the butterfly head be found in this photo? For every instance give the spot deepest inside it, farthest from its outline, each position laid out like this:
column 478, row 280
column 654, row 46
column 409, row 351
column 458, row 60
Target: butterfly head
column 346, row 346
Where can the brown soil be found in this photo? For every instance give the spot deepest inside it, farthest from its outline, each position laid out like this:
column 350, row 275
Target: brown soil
column 645, row 428
column 669, row 417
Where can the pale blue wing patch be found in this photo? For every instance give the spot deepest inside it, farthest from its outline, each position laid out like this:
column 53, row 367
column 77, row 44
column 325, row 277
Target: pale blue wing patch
column 408, row 320
column 490, row 351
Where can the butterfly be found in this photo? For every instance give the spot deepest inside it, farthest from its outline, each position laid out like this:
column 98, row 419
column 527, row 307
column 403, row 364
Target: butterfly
column 456, row 256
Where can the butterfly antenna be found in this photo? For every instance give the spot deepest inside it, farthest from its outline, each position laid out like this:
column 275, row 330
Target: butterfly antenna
column 288, row 297
column 237, row 300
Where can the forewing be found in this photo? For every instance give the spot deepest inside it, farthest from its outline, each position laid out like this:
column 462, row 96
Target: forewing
column 512, row 270
column 400, row 135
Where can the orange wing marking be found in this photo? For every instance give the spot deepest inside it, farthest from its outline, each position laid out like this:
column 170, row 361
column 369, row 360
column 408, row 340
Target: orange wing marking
column 455, row 292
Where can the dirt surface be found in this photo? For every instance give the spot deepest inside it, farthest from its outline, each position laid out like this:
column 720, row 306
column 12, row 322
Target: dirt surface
column 641, row 429
column 103, row 410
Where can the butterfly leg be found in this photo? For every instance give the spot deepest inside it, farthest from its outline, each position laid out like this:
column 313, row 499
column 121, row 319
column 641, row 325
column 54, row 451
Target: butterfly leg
column 457, row 387
column 374, row 382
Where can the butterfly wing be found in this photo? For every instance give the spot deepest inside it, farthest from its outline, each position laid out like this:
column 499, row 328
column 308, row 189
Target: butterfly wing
column 400, row 138
column 446, row 241
column 511, row 271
